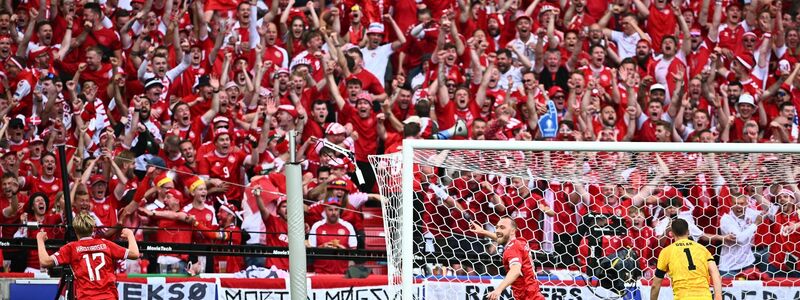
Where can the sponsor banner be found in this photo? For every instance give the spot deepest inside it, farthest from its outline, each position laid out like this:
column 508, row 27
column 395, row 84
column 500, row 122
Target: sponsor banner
column 166, row 288
column 379, row 292
column 375, row 288
column 737, row 290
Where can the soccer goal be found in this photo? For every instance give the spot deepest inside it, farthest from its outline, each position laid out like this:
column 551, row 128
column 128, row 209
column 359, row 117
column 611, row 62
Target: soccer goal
column 595, row 214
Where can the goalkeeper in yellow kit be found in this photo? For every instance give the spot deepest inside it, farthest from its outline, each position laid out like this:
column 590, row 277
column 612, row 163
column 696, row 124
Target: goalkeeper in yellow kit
column 689, row 266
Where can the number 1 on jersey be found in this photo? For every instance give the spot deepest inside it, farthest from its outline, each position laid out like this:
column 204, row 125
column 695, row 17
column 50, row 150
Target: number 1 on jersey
column 94, row 274
column 692, row 267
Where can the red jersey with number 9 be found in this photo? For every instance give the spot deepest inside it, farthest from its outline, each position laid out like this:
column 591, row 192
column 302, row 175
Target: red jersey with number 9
column 525, row 287
column 93, row 262
column 227, row 168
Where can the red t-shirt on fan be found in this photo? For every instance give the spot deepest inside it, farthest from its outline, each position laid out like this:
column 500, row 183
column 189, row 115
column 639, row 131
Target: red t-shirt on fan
column 525, row 287
column 226, row 168
column 276, row 236
column 93, row 262
column 322, row 232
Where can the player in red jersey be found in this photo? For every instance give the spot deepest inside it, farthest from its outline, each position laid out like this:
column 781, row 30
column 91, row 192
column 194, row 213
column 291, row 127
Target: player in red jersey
column 92, row 260
column 516, row 260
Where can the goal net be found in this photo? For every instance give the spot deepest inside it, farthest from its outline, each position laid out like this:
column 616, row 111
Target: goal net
column 595, row 215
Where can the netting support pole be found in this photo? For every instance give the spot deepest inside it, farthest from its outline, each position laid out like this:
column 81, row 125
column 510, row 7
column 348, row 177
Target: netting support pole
column 407, row 263
column 296, row 219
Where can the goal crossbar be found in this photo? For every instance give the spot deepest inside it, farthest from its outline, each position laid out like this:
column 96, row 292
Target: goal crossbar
column 409, row 146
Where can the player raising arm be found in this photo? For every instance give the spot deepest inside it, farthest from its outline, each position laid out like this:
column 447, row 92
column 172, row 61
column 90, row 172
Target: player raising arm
column 516, row 260
column 92, row 260
column 689, row 266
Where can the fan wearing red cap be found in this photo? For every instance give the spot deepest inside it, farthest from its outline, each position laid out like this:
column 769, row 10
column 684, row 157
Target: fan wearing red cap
column 274, row 222
column 229, row 216
column 332, row 232
column 22, row 82
column 175, row 226
column 730, row 32
column 105, row 210
column 224, row 166
column 364, row 121
column 289, row 117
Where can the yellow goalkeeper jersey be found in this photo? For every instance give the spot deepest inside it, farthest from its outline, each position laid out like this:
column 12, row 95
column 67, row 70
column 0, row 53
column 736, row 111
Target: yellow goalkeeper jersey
column 686, row 263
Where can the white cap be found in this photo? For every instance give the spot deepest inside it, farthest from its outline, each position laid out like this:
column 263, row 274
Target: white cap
column 747, row 99
column 658, row 86
column 375, row 28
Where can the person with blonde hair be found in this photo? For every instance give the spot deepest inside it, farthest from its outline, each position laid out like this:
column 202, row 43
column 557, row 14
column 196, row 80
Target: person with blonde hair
column 93, row 260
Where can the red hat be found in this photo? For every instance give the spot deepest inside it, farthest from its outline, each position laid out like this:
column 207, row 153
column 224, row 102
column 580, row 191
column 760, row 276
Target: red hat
column 375, row 28
column 13, row 61
column 333, row 201
column 280, row 201
column 175, row 194
column 194, row 182
column 364, row 96
column 497, row 17
column 220, row 119
column 337, row 184
column 521, row 15
column 281, row 71
column 746, row 60
column 36, row 139
column 696, row 30
column 750, row 33
column 335, row 128
column 549, row 7
column 289, row 109
column 96, row 179
column 343, row 162
column 35, row 52
column 229, row 208
column 554, row 90
column 162, row 179
column 220, row 132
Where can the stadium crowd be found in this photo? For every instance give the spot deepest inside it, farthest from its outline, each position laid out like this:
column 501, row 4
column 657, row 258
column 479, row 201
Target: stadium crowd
column 169, row 109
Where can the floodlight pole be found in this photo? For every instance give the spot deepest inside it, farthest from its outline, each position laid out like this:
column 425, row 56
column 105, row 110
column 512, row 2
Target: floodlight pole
column 296, row 219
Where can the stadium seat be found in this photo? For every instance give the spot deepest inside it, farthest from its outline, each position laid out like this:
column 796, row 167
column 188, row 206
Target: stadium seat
column 374, row 238
column 373, row 216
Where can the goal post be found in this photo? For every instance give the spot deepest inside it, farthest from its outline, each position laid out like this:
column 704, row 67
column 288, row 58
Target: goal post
column 502, row 161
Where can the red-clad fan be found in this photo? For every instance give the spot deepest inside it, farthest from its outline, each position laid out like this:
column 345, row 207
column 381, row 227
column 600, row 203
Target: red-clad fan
column 228, row 215
column 12, row 205
column 332, row 232
column 527, row 210
column 174, row 225
column 338, row 188
column 785, row 250
column 48, row 182
column 37, row 212
column 102, row 206
column 223, row 166
column 276, row 228
column 517, row 261
column 204, row 214
column 24, row 82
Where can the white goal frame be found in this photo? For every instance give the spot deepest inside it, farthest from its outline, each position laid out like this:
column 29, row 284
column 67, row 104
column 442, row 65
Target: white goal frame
column 409, row 146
